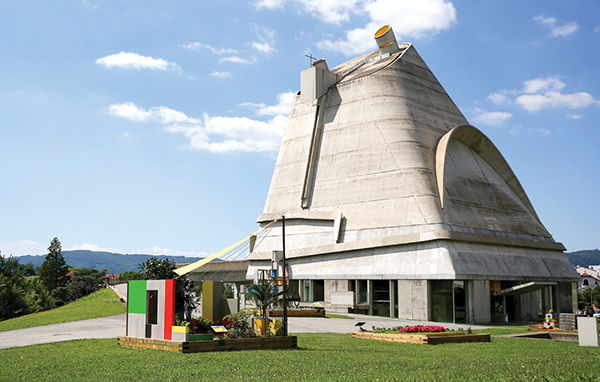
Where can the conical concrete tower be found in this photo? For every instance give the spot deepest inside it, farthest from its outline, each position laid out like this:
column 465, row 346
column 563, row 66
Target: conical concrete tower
column 395, row 205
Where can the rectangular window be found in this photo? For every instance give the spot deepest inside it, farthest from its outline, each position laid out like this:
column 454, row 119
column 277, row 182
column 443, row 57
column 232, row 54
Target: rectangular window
column 362, row 291
column 319, row 294
column 152, row 311
column 381, row 298
column 449, row 301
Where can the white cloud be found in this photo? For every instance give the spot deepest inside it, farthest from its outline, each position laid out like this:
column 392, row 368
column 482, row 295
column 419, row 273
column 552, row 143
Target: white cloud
column 491, row 118
column 575, row 116
column 199, row 45
column 329, row 11
column 86, row 2
column 556, row 30
column 499, row 98
column 409, row 19
column 283, row 106
column 238, row 60
column 597, row 29
column 269, row 4
column 218, row 134
column 536, row 102
column 130, row 111
column 541, row 93
column 218, row 74
column 266, row 40
column 516, row 130
column 135, row 61
column 539, row 84
column 25, row 247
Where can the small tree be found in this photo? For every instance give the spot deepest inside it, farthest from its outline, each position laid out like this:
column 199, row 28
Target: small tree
column 130, row 275
column 54, row 269
column 265, row 294
column 85, row 281
column 157, row 269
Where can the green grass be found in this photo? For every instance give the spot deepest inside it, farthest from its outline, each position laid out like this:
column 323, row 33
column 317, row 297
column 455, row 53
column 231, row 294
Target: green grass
column 328, row 315
column 320, row 357
column 99, row 304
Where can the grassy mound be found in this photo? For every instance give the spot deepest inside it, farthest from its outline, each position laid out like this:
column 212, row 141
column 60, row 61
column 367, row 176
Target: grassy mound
column 102, row 303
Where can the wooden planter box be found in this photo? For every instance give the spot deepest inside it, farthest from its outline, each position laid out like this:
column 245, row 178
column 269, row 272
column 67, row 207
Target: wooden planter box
column 424, row 338
column 209, row 345
column 298, row 313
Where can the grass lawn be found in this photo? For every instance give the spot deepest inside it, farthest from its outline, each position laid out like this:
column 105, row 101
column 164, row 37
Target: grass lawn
column 320, row 357
column 333, row 315
column 102, row 303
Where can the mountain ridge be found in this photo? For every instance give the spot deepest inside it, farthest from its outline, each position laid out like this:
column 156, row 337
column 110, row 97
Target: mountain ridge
column 113, row 262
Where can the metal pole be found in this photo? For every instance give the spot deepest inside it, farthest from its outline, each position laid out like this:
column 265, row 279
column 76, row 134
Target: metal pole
column 285, row 312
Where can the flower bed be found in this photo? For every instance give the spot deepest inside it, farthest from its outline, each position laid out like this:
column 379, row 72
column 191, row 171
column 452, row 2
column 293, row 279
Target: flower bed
column 211, row 345
column 423, row 329
column 424, row 338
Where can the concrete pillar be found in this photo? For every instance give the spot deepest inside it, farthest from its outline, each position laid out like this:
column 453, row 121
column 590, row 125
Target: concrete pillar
column 564, row 298
column 413, row 298
column 480, row 309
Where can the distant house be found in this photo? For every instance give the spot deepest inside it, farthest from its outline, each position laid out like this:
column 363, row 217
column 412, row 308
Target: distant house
column 590, row 277
column 111, row 277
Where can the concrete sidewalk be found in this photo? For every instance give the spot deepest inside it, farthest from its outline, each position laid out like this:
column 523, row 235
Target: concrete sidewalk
column 111, row 327
column 104, row 327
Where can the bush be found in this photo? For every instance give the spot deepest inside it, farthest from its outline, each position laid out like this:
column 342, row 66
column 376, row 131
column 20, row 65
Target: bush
column 239, row 325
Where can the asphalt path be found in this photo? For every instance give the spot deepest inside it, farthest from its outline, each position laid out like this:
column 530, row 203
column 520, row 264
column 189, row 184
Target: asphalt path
column 113, row 326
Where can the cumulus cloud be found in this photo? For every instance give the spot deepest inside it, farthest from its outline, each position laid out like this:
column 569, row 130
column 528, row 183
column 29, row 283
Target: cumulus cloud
column 541, row 93
column 215, row 133
column 283, row 106
column 218, row 74
column 414, row 19
column 25, row 247
column 499, row 98
column 539, row 84
column 239, row 60
column 564, row 30
column 130, row 111
column 409, row 19
column 491, row 118
column 199, row 45
column 266, row 40
column 127, row 60
column 536, row 102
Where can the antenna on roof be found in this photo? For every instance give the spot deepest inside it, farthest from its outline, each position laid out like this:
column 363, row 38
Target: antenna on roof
column 310, row 56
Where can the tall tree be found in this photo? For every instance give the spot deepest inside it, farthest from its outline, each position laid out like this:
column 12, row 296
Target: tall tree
column 54, row 269
column 185, row 296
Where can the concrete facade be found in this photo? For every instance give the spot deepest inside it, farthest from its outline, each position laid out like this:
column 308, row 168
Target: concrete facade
column 382, row 179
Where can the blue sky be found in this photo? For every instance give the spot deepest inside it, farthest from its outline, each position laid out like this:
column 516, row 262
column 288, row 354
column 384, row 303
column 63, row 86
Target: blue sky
column 153, row 126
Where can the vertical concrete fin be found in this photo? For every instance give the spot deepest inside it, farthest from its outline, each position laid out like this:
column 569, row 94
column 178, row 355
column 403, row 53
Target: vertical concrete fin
column 312, row 152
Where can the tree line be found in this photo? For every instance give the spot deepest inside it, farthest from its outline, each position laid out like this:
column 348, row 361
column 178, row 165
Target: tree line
column 25, row 289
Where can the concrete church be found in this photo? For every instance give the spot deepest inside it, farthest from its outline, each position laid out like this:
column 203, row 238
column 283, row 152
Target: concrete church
column 396, row 206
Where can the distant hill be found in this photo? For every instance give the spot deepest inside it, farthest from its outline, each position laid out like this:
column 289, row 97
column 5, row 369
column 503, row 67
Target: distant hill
column 113, row 262
column 584, row 258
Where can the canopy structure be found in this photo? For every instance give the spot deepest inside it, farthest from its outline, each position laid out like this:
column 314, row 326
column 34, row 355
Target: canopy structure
column 223, row 253
column 524, row 288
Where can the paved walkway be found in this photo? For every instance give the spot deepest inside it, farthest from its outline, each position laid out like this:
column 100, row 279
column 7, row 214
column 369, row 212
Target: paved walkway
column 111, row 327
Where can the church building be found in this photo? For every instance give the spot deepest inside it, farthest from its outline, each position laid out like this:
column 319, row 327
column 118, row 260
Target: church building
column 395, row 205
